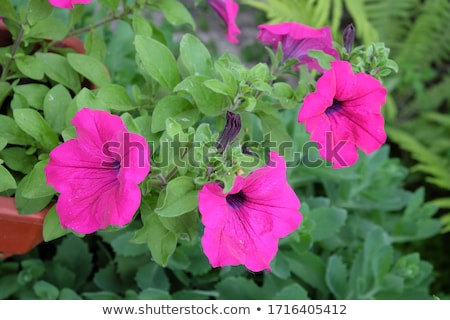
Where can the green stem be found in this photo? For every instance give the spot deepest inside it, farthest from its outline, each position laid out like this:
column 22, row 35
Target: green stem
column 100, row 23
column 13, row 53
column 175, row 169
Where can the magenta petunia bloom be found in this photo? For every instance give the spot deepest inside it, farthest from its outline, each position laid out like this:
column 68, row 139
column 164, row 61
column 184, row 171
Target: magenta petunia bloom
column 345, row 113
column 243, row 226
column 68, row 4
column 97, row 174
column 297, row 39
column 227, row 10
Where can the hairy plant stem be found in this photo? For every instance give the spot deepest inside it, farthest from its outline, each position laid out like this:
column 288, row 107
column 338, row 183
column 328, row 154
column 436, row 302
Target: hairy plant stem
column 13, row 53
column 175, row 169
column 102, row 22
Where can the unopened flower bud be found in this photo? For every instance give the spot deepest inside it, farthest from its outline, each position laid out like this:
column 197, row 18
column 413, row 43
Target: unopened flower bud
column 231, row 130
column 349, row 37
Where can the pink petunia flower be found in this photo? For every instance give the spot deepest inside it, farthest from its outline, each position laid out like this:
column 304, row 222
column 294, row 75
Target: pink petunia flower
column 97, row 174
column 243, row 226
column 345, row 113
column 227, row 10
column 68, row 4
column 296, row 40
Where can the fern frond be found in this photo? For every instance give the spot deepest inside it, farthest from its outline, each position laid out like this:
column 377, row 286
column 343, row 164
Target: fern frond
column 434, row 96
column 428, row 41
column 430, row 163
column 391, row 19
column 315, row 13
column 445, row 219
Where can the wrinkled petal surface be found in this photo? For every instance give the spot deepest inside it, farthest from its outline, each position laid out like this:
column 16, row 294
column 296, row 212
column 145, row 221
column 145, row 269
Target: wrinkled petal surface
column 297, row 39
column 354, row 122
column 227, row 10
column 68, row 4
column 97, row 174
column 248, row 234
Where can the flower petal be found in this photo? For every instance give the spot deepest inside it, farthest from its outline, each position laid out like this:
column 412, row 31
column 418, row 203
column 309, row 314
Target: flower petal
column 297, row 39
column 97, row 173
column 68, row 4
column 248, row 233
column 227, row 10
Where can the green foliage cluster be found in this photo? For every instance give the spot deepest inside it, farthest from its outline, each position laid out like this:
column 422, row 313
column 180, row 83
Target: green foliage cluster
column 417, row 33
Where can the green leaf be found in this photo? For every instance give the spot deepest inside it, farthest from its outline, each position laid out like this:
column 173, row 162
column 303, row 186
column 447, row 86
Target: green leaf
column 207, row 101
column 112, row 4
column 194, row 56
column 58, row 69
column 18, row 159
column 157, row 61
column 219, row 87
column 86, row 98
column 95, row 45
column 8, row 283
column 90, row 68
column 141, row 26
column 337, row 277
column 6, row 180
column 49, row 28
column 240, row 288
column 180, row 197
column 176, row 13
column 154, row 294
column 151, row 275
column 309, row 267
column 56, row 102
column 26, row 205
column 275, row 132
column 292, row 292
column 8, row 11
column 185, row 226
column 33, row 93
column 36, row 186
column 5, row 89
column 30, row 66
column 115, row 97
column 160, row 241
column 327, row 222
column 68, row 294
column 101, row 295
column 45, row 290
column 175, row 107
column 123, row 246
column 322, row 58
column 38, row 10
column 3, row 143
column 106, row 279
column 31, row 122
column 73, row 253
column 52, row 226
column 12, row 133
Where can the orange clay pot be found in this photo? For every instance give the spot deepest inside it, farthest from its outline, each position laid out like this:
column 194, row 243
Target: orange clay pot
column 19, row 233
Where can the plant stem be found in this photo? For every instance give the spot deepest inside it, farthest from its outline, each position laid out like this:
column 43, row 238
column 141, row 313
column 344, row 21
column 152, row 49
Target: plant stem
column 175, row 169
column 100, row 23
column 13, row 53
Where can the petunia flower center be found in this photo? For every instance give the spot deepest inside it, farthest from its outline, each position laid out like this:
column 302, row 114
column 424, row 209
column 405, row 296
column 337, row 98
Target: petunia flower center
column 116, row 165
column 335, row 107
column 236, row 200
